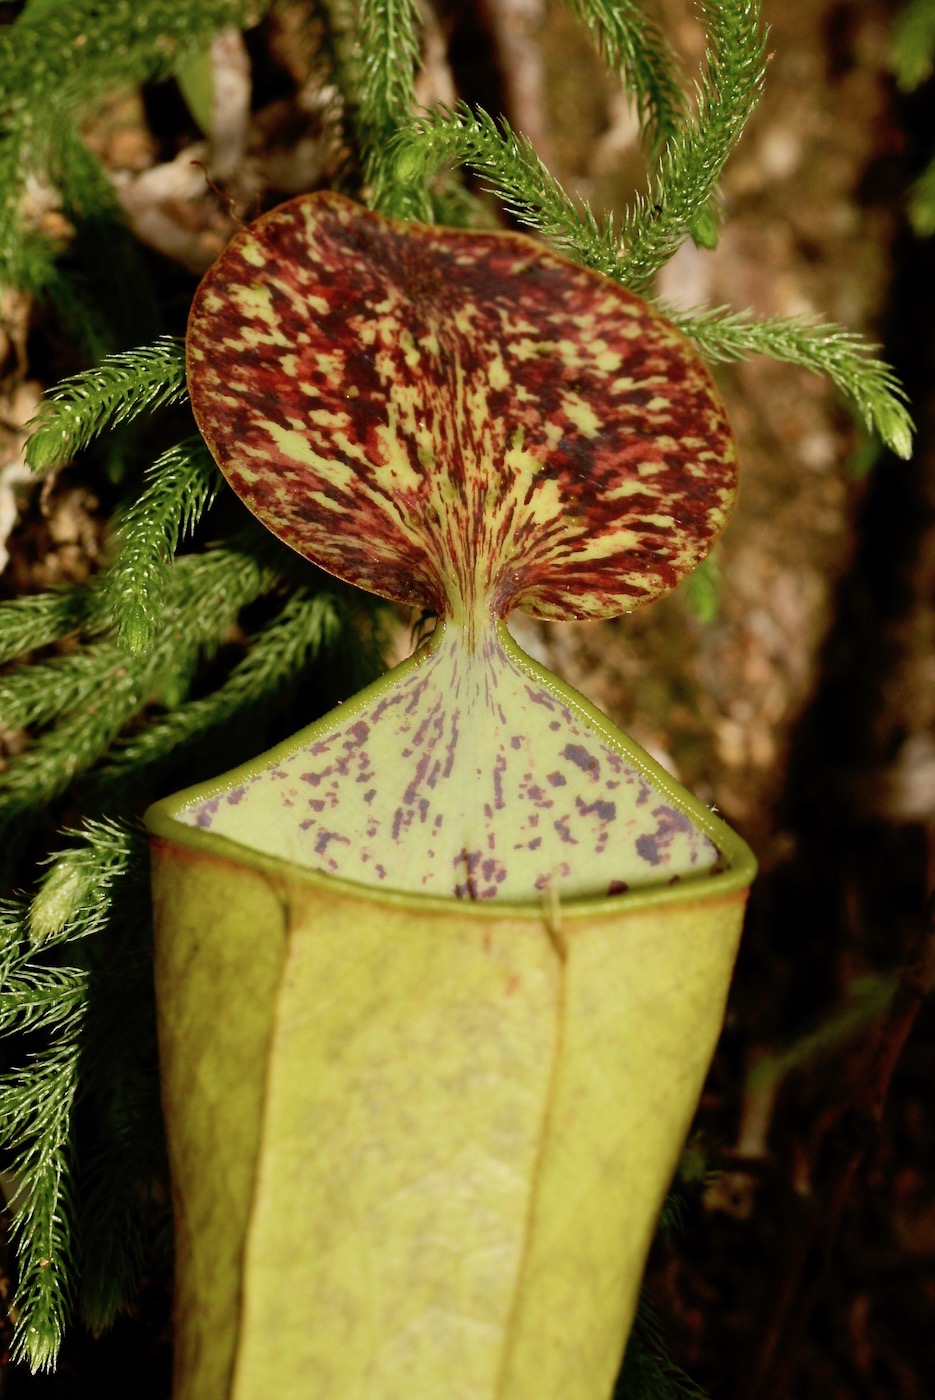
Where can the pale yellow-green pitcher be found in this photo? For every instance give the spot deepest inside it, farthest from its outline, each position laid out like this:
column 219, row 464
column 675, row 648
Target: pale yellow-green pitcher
column 439, row 978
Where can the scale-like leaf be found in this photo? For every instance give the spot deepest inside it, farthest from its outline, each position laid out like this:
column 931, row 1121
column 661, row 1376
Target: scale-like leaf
column 458, row 420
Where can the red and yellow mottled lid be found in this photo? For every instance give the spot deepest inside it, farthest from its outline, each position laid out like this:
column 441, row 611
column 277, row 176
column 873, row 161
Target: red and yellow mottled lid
column 456, row 420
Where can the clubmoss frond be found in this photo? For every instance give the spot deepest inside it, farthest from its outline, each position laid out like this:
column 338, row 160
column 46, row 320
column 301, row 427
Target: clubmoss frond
column 115, row 391
column 95, row 693
column 53, row 761
column 33, row 695
column 686, row 178
column 647, row 1372
column 27, row 623
column 510, row 167
column 42, row 86
column 78, row 309
column 75, row 894
column 118, row 1174
column 912, row 44
column 25, row 260
column 38, row 1100
column 684, row 185
column 103, row 294
column 121, row 44
column 388, row 38
column 634, row 46
column 278, row 657
column 180, row 487
column 846, row 358
column 122, row 1152
column 33, row 998
column 703, row 588
column 36, row 1110
column 344, row 61
column 33, row 995
column 922, row 202
column 912, row 59
column 78, row 175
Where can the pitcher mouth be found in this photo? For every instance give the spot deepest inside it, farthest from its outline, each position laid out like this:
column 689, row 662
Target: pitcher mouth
column 475, row 779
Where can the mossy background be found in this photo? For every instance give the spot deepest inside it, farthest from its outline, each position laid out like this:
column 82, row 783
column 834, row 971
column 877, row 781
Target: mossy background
column 793, row 685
